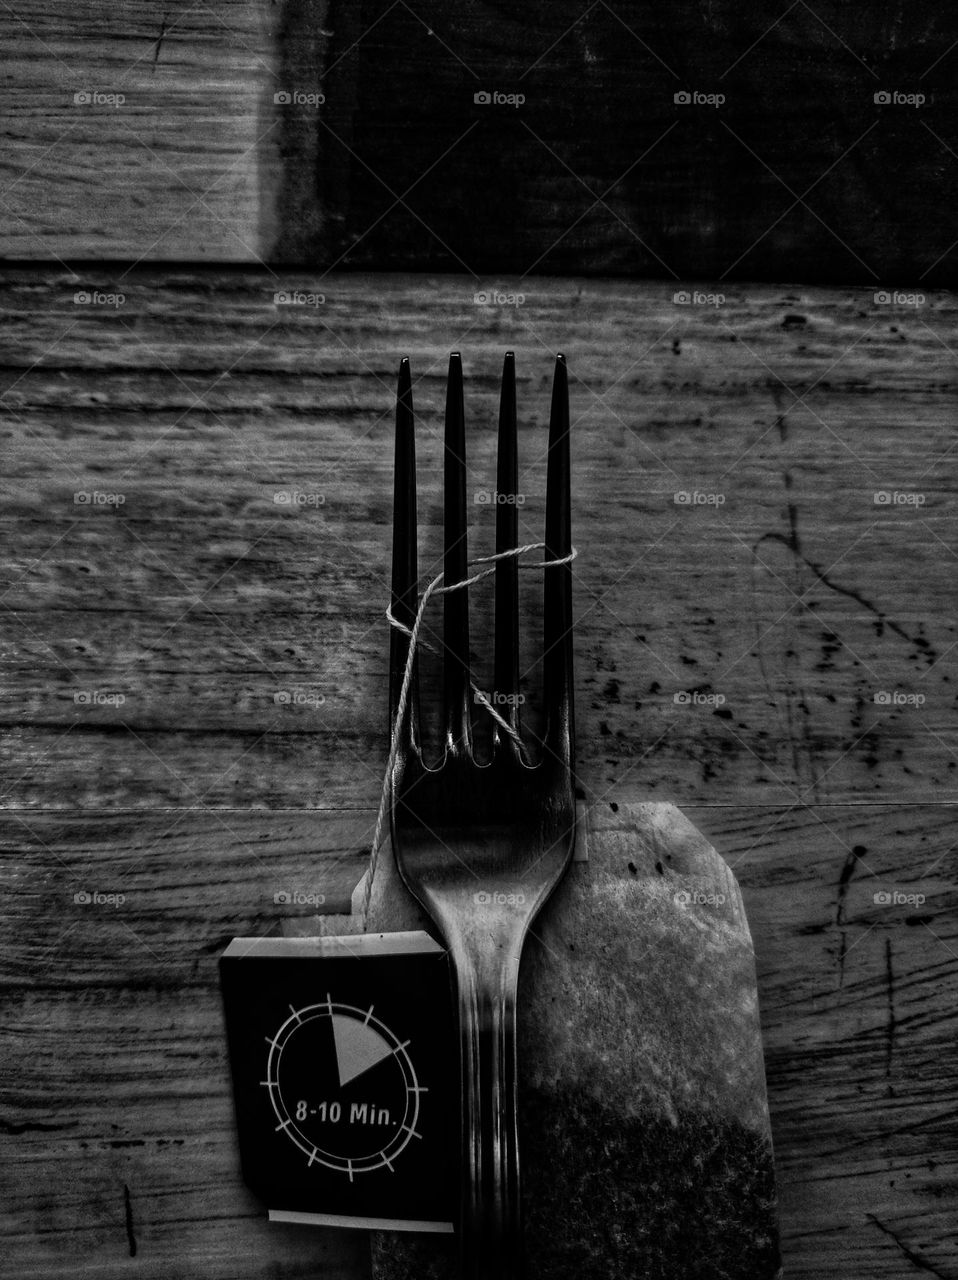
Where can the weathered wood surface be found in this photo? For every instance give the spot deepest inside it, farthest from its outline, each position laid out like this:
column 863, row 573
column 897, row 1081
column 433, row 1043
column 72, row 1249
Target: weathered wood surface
column 120, row 1153
column 201, row 599
column 798, row 173
column 116, row 1099
column 184, row 167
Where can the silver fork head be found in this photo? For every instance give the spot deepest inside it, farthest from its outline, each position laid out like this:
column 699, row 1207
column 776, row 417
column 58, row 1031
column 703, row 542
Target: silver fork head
column 556, row 743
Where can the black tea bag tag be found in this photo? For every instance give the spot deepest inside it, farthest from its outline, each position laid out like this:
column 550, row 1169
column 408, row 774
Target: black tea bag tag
column 345, row 1078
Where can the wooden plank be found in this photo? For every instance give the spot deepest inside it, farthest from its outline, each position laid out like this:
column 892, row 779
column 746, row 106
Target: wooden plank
column 205, row 599
column 117, row 1094
column 598, row 170
column 858, row 1019
column 117, row 1080
column 133, row 132
column 199, row 598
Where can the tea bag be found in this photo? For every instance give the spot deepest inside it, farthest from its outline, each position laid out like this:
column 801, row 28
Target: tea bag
column 645, row 1145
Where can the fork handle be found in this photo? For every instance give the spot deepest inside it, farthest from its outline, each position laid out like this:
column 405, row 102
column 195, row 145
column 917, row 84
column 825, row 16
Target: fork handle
column 491, row 1226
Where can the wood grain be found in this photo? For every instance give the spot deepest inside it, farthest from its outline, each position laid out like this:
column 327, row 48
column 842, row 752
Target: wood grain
column 200, row 598
column 782, row 588
column 117, row 1100
column 858, row 1015
column 116, row 1078
column 184, row 167
column 797, row 173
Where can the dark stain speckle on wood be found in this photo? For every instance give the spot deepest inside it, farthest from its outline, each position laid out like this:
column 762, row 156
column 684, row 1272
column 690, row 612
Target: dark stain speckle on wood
column 611, row 691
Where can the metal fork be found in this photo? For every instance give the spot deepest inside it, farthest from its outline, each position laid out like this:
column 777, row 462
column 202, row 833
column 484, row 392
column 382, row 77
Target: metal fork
column 483, row 846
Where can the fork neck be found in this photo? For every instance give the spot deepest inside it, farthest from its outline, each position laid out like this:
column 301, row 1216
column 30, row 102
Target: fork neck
column 491, row 1226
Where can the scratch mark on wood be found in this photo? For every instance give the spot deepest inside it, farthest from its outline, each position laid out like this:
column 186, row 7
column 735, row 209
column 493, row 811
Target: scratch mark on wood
column 797, row 709
column 822, row 576
column 842, row 952
column 858, row 1143
column 844, row 879
column 128, row 1208
column 159, row 41
column 915, row 1258
column 782, row 424
column 890, row 1031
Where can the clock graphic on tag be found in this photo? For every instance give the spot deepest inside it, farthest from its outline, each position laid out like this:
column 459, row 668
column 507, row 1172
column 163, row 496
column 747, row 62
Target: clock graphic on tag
column 343, row 1087
column 344, row 1056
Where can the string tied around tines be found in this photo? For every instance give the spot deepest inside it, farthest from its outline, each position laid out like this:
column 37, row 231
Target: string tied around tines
column 436, row 588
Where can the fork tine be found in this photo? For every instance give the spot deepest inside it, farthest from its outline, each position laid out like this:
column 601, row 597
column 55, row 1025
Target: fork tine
column 507, row 537
column 457, row 713
column 405, row 569
column 557, row 611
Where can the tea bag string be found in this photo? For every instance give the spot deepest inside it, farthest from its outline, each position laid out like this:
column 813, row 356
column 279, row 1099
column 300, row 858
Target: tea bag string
column 434, row 588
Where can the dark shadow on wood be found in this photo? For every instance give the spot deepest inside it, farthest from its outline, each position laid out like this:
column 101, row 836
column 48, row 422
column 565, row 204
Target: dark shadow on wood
column 316, row 56
column 603, row 168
